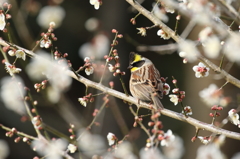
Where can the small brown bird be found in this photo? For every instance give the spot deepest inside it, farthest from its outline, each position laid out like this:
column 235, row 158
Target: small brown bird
column 145, row 82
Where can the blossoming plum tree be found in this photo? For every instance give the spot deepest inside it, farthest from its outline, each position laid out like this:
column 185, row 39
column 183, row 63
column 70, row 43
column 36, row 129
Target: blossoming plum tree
column 52, row 73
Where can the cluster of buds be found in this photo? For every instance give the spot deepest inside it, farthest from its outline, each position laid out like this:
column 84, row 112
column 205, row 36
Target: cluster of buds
column 95, row 112
column 39, row 86
column 87, row 66
column 85, row 99
column 37, row 122
column 106, row 99
column 11, row 133
column 178, row 96
column 114, row 68
column 58, row 55
column 216, row 108
column 72, row 136
column 166, row 87
column 187, row 110
column 137, row 119
column 47, row 38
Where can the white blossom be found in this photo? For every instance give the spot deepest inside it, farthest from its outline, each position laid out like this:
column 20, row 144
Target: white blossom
column 201, row 70
column 50, row 14
column 152, row 153
column 4, row 149
column 53, row 94
column 45, row 43
column 163, row 34
column 125, row 150
column 2, row 21
column 188, row 50
column 95, row 3
column 82, row 102
column 166, row 88
column 11, row 69
column 212, row 47
column 89, row 70
column 175, row 149
column 11, row 53
column 174, row 98
column 50, row 150
column 213, row 96
column 234, row 117
column 111, row 138
column 72, row 148
column 91, row 144
column 204, row 140
column 188, row 110
column 168, row 138
column 209, row 151
column 41, row 67
column 20, row 54
column 111, row 68
column 142, row 31
column 12, row 94
column 204, row 34
column 232, row 46
column 159, row 13
column 96, row 49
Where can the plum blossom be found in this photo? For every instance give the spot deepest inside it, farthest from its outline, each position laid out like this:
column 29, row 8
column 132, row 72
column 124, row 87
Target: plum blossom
column 45, row 43
column 232, row 46
column 41, row 67
column 234, row 117
column 213, row 96
column 72, row 148
column 204, row 140
column 95, row 3
column 82, row 102
column 159, row 13
column 152, row 153
column 89, row 70
column 188, row 110
column 167, row 138
column 50, row 149
column 2, row 21
column 50, row 14
column 174, row 98
column 212, row 47
column 166, row 89
column 188, row 50
column 142, row 31
column 201, row 70
column 11, row 69
column 91, row 144
column 163, row 34
column 12, row 93
column 175, row 149
column 20, row 54
column 96, row 48
column 111, row 138
column 209, row 151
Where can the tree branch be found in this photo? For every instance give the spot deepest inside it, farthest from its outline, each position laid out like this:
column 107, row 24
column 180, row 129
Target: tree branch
column 229, row 78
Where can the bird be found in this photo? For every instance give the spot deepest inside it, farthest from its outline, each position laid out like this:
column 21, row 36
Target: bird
column 145, row 82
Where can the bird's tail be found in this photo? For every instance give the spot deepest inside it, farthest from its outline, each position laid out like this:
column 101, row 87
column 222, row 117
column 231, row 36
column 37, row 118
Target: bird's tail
column 156, row 101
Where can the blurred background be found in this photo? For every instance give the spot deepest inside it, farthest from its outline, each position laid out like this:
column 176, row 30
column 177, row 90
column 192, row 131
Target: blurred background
column 83, row 32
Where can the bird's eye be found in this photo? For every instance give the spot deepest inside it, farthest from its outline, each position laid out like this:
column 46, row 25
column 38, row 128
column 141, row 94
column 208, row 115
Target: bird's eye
column 138, row 64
